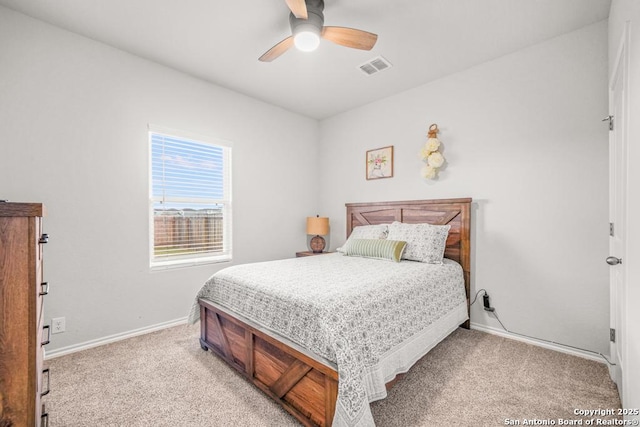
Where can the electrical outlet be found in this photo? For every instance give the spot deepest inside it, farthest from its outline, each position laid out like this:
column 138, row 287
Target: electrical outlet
column 57, row 325
column 487, row 304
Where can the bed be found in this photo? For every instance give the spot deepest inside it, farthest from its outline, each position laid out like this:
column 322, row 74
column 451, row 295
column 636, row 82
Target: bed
column 323, row 355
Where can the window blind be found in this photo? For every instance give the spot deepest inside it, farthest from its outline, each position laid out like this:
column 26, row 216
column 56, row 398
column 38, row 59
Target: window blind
column 190, row 200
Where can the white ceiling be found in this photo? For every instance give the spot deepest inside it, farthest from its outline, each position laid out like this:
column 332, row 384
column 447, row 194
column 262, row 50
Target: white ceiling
column 220, row 41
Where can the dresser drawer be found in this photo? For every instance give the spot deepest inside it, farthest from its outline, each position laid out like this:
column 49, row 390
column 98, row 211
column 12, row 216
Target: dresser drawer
column 41, row 240
column 41, row 414
column 44, row 416
column 44, row 383
column 44, row 336
column 43, row 332
column 43, row 289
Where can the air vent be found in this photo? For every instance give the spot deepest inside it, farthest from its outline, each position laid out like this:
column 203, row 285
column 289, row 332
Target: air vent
column 375, row 65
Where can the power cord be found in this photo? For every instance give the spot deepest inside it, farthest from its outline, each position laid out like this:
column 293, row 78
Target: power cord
column 487, row 307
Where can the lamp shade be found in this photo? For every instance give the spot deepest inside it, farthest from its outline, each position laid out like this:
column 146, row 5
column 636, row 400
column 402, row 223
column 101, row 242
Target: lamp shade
column 317, row 225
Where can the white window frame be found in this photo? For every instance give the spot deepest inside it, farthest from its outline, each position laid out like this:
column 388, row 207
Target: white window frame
column 192, row 260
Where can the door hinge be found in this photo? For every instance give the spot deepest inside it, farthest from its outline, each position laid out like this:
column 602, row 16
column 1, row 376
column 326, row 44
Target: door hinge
column 611, row 229
column 610, row 120
column 612, row 335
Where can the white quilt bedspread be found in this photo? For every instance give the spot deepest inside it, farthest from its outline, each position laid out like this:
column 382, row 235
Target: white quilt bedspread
column 353, row 311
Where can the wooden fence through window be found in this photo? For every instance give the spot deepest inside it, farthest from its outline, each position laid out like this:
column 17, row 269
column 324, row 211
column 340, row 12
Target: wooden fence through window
column 187, row 233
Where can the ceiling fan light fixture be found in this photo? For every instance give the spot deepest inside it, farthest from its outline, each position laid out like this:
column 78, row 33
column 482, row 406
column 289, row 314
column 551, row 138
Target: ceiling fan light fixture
column 307, row 28
column 306, row 41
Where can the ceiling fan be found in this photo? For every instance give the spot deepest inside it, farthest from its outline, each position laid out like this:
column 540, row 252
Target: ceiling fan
column 307, row 27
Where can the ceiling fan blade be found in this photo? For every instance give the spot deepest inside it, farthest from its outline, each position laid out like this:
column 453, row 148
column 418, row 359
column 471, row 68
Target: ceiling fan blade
column 277, row 50
column 298, row 8
column 350, row 37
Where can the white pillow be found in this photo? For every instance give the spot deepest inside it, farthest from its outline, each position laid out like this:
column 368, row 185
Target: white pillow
column 425, row 242
column 378, row 231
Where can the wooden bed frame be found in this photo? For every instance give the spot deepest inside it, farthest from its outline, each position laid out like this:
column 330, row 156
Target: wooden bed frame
column 305, row 387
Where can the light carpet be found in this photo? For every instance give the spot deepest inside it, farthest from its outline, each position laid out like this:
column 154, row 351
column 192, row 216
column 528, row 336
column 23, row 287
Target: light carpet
column 470, row 379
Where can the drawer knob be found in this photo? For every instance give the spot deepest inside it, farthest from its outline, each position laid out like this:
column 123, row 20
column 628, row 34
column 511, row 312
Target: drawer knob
column 44, row 288
column 44, row 238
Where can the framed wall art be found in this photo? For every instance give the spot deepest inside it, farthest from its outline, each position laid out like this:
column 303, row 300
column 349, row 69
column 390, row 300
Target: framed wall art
column 380, row 163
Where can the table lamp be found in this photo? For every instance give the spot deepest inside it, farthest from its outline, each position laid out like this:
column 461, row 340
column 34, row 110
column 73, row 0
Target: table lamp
column 319, row 226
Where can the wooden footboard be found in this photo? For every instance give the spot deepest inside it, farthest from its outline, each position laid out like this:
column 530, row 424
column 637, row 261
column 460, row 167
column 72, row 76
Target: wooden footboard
column 305, row 387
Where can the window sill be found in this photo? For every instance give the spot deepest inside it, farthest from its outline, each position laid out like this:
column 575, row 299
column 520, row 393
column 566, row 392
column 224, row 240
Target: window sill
column 172, row 265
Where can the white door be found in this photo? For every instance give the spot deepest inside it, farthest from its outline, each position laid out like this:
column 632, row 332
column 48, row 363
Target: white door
column 617, row 214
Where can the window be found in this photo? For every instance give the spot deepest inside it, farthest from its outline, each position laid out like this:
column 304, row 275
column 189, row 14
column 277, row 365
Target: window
column 189, row 199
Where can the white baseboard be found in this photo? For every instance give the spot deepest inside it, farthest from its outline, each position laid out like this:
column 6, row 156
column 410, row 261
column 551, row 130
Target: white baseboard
column 183, row 320
column 551, row 346
column 113, row 338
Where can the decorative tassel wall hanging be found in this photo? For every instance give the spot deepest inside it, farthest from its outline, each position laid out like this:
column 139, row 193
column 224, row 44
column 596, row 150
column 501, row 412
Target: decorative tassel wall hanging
column 431, row 155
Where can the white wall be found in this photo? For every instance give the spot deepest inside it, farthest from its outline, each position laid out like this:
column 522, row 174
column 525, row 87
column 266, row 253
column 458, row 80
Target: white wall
column 73, row 135
column 523, row 137
column 623, row 11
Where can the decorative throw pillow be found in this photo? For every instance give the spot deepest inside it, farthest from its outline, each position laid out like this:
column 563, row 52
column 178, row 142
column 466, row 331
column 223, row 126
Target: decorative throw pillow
column 425, row 242
column 378, row 231
column 376, row 248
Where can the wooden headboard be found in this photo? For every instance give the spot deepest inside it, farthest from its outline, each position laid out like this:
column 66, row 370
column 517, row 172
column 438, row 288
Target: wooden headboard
column 456, row 212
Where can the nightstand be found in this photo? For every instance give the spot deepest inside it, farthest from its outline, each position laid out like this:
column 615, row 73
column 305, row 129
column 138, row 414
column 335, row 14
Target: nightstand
column 309, row 253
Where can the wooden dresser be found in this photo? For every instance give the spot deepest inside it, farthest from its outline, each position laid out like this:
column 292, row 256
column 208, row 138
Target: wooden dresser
column 23, row 381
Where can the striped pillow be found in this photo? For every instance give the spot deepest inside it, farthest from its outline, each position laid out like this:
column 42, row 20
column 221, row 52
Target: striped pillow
column 376, row 248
